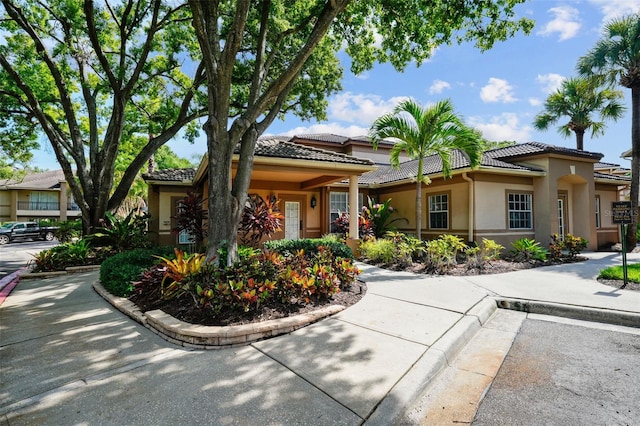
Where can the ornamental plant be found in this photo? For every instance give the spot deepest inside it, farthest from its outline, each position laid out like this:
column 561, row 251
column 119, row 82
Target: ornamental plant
column 526, row 250
column 573, row 244
column 379, row 214
column 365, row 226
column 260, row 219
column 482, row 254
column 442, row 253
column 191, row 217
column 177, row 270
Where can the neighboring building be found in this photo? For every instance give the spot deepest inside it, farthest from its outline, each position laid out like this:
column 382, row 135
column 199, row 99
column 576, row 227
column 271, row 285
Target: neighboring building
column 37, row 196
column 528, row 190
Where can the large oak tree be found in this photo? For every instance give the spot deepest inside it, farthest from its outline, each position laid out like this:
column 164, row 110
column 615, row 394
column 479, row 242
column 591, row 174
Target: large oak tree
column 265, row 57
column 92, row 76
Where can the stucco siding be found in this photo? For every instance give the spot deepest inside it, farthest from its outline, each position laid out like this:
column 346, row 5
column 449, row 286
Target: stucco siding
column 491, row 204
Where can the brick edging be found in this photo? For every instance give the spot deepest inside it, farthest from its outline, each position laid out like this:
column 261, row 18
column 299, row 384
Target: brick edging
column 212, row 337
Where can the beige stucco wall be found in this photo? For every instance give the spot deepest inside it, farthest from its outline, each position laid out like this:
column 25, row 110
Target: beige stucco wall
column 608, row 232
column 378, row 156
column 5, row 206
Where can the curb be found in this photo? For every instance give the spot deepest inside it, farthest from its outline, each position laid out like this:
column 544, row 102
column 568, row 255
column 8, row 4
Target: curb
column 8, row 283
column 432, row 362
column 607, row 316
column 67, row 270
column 212, row 337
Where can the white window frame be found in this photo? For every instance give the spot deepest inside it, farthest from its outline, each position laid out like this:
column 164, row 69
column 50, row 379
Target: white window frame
column 520, row 204
column 598, row 216
column 438, row 204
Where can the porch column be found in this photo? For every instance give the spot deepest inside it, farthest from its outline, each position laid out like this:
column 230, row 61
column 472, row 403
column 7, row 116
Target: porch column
column 352, row 241
column 13, row 205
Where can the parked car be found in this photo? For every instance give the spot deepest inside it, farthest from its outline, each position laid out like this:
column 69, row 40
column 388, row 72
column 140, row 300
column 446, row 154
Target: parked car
column 13, row 231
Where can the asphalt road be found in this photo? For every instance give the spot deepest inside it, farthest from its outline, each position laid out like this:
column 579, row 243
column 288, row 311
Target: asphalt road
column 15, row 255
column 561, row 374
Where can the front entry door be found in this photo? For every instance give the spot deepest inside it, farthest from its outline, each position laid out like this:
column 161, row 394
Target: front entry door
column 292, row 220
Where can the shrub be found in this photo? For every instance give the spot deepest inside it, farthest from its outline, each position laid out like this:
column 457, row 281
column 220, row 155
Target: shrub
column 442, row 252
column 310, row 246
column 68, row 230
column 119, row 271
column 379, row 251
column 525, row 250
column 122, row 233
column 574, row 246
column 59, row 257
column 408, row 245
column 481, row 254
column 294, row 278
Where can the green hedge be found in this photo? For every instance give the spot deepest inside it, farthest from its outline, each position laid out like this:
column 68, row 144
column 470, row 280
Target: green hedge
column 310, row 246
column 118, row 271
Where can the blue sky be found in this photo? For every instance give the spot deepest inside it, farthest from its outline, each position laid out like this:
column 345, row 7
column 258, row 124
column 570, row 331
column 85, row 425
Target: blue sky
column 498, row 92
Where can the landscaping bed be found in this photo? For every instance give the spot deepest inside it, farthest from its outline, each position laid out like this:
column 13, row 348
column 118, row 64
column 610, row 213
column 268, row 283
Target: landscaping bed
column 184, row 309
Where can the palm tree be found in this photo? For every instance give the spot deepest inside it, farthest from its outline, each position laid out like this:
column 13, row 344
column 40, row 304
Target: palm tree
column 578, row 98
column 616, row 58
column 421, row 132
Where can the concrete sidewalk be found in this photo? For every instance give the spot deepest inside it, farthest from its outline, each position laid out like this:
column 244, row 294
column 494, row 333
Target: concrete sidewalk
column 70, row 357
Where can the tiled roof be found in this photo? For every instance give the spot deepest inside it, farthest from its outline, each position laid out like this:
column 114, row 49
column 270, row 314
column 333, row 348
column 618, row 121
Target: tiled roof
column 432, row 165
column 531, row 148
column 171, row 175
column 273, row 147
column 44, row 180
column 602, row 165
column 277, row 148
column 324, row 137
column 609, row 176
column 336, row 139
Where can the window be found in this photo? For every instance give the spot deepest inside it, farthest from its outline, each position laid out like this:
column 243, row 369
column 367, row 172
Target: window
column 185, row 238
column 520, row 211
column 439, row 211
column 597, row 211
column 338, row 204
column 43, row 200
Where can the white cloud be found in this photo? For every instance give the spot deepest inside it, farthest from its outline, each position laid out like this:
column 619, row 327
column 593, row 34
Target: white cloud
column 360, row 108
column 438, row 86
column 504, row 127
column 497, row 90
column 612, row 9
column 535, row 102
column 565, row 22
column 335, row 128
column 550, row 82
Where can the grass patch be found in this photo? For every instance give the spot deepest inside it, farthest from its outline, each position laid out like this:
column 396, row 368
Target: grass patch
column 616, row 273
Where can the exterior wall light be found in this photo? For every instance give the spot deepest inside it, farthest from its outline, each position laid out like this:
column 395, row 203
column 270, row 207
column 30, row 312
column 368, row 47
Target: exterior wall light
column 314, row 202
